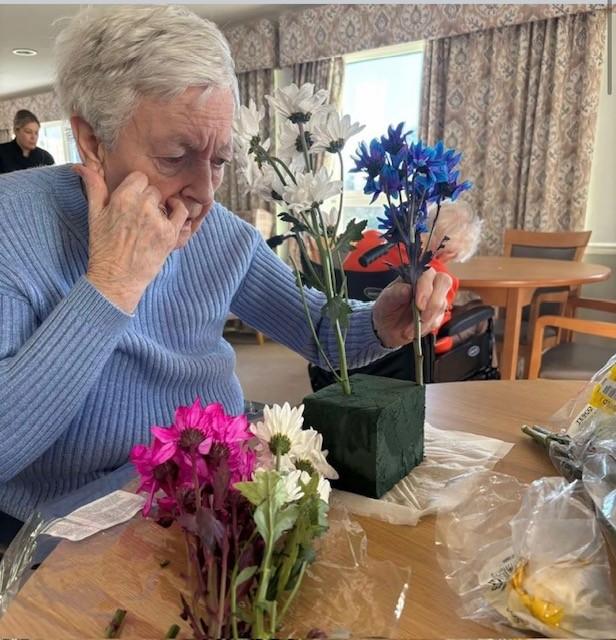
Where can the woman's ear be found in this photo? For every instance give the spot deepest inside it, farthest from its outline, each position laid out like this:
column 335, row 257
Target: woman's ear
column 91, row 151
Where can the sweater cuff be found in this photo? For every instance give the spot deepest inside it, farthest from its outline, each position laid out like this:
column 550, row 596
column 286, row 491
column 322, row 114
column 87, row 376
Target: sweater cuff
column 94, row 308
column 365, row 328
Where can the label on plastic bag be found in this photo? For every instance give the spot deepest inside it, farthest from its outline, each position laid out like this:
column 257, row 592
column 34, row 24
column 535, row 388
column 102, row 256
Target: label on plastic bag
column 602, row 400
column 106, row 512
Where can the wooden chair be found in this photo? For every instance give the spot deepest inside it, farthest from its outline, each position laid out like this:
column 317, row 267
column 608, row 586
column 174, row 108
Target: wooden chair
column 547, row 245
column 572, row 360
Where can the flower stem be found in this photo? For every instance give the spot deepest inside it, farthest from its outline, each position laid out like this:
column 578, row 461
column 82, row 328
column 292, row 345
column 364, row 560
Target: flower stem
column 173, row 632
column 113, row 628
column 302, row 137
column 311, row 325
column 293, row 593
column 417, row 348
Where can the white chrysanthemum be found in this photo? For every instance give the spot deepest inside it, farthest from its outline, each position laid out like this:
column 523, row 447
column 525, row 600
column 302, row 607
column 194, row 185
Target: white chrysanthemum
column 310, row 456
column 264, row 181
column 292, row 487
column 332, row 132
column 281, row 428
column 298, row 104
column 311, row 189
column 324, row 489
column 247, row 125
column 289, row 149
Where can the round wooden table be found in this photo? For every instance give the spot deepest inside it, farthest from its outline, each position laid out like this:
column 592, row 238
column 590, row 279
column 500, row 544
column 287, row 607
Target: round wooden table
column 76, row 590
column 511, row 282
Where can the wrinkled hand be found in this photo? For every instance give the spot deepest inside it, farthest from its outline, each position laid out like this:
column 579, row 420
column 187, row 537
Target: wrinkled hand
column 393, row 315
column 130, row 238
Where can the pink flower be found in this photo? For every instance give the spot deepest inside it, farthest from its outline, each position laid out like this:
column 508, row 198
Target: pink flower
column 191, row 433
column 231, row 436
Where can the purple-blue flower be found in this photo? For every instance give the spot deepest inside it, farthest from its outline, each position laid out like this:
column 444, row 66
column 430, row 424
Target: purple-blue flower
column 370, row 159
column 395, row 140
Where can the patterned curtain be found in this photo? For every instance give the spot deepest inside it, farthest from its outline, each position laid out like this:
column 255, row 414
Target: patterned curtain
column 5, row 135
column 233, row 192
column 521, row 103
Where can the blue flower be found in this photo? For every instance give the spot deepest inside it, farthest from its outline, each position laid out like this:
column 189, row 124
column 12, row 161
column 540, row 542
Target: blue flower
column 370, row 160
column 395, row 224
column 390, row 181
column 395, row 140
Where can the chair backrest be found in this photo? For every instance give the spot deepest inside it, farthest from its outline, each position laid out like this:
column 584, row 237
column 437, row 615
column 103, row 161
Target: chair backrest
column 548, row 245
column 358, row 281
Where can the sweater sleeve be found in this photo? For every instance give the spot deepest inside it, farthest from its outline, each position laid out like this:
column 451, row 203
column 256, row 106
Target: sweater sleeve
column 47, row 369
column 270, row 301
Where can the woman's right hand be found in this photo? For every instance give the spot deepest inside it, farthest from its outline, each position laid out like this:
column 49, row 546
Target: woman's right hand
column 130, row 235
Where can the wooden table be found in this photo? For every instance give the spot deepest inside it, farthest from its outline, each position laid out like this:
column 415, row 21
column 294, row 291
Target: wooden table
column 511, row 282
column 68, row 594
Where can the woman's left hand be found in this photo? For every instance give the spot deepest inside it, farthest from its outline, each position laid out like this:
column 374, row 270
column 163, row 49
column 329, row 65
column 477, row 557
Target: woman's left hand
column 393, row 315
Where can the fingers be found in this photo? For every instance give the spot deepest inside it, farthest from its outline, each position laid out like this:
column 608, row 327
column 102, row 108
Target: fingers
column 95, row 185
column 425, row 286
column 436, row 303
column 178, row 214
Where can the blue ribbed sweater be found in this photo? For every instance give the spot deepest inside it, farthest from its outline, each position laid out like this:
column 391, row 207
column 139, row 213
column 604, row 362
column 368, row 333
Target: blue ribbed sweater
column 80, row 381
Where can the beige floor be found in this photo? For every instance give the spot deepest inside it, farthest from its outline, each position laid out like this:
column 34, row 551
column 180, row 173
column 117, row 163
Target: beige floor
column 270, row 373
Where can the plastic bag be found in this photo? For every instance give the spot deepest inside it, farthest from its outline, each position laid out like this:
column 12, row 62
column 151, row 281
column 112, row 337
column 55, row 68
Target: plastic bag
column 530, row 558
column 447, row 454
column 345, row 592
column 32, row 544
column 595, row 399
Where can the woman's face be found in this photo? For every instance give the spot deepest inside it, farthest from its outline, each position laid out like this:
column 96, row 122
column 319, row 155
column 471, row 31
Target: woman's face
column 181, row 146
column 27, row 136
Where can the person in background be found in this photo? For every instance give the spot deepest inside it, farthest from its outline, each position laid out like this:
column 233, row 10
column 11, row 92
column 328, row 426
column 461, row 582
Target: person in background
column 22, row 152
column 455, row 238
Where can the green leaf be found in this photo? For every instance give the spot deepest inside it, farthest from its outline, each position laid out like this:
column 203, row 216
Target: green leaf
column 297, row 226
column 264, row 485
column 245, row 574
column 337, row 309
column 261, row 521
column 352, row 234
column 284, row 520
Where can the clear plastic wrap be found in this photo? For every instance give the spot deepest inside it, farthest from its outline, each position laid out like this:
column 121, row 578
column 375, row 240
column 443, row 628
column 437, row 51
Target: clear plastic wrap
column 141, row 567
column 32, row 545
column 530, row 558
column 447, row 454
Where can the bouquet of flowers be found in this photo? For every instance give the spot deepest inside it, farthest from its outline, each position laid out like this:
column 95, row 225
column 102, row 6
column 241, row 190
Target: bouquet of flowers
column 250, row 499
column 294, row 180
column 411, row 176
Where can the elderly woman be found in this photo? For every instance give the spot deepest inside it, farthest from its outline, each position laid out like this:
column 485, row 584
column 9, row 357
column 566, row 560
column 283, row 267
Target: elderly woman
column 117, row 275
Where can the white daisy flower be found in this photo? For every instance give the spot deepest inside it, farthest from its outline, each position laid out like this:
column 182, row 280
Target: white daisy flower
column 281, row 428
column 310, row 189
column 292, row 486
column 264, row 181
column 289, row 148
column 248, row 122
column 324, row 489
column 298, row 104
column 310, row 456
column 332, row 132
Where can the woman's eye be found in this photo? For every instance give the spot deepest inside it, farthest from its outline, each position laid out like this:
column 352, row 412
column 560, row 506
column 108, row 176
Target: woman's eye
column 172, row 161
column 220, row 162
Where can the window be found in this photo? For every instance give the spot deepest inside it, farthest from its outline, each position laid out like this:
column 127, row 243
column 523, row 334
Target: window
column 57, row 138
column 381, row 87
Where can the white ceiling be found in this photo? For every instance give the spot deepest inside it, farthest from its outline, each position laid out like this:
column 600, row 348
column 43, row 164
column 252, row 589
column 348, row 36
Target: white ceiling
column 35, row 27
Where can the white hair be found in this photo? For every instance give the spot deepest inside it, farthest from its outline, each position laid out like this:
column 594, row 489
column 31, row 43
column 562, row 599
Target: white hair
column 108, row 60
column 460, row 224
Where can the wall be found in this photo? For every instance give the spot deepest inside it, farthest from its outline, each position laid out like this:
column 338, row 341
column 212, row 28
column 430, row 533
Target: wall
column 601, row 210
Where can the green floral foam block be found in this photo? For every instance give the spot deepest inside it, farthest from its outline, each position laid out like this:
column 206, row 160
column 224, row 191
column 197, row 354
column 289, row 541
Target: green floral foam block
column 374, row 436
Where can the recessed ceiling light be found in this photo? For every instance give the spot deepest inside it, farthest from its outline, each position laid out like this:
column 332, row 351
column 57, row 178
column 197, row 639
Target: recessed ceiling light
column 25, row 52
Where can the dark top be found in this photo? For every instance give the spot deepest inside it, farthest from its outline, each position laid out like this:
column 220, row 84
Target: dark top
column 12, row 157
